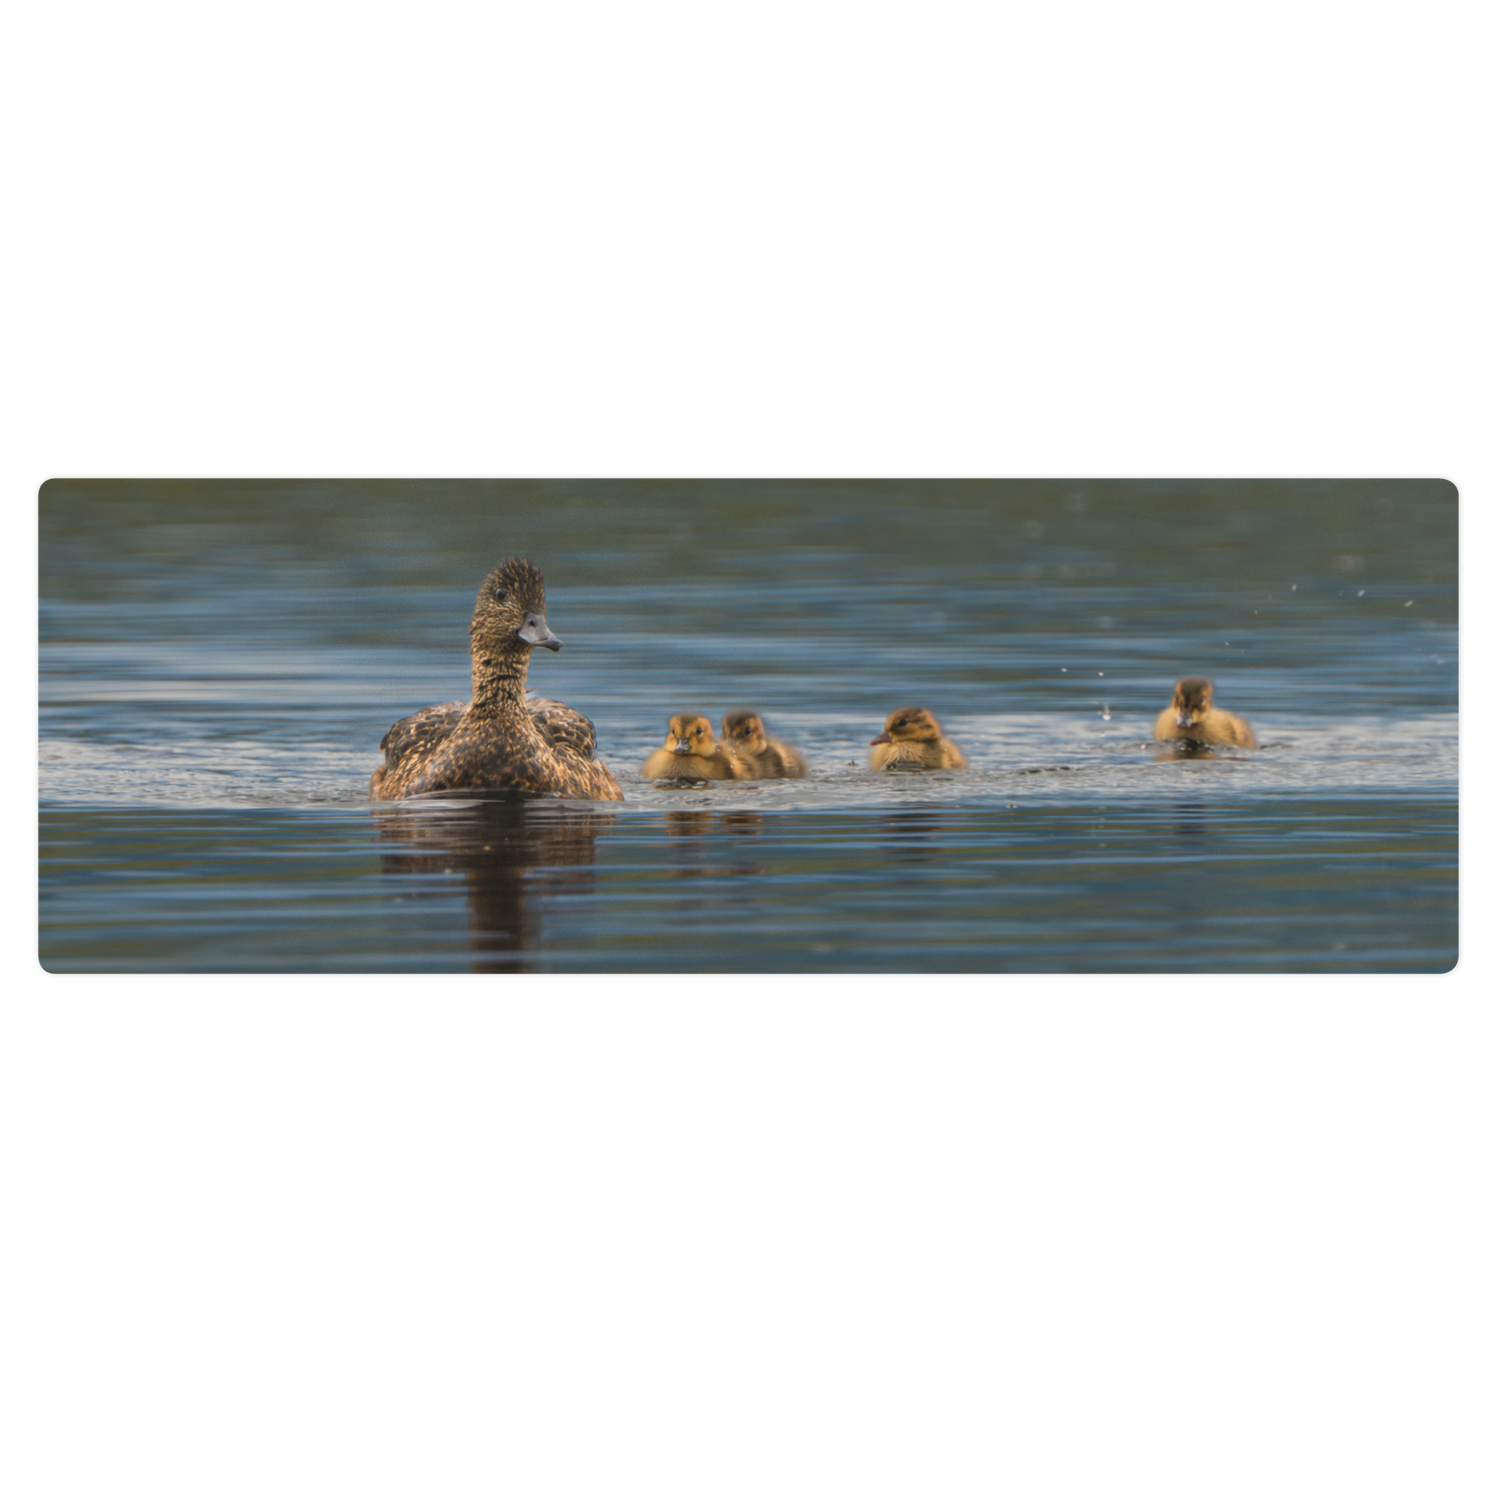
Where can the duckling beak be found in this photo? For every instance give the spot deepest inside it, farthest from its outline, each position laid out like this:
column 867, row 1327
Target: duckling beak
column 882, row 738
column 682, row 748
column 1184, row 720
column 535, row 633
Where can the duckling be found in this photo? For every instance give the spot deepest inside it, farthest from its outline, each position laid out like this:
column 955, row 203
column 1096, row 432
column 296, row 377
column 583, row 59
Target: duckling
column 1192, row 716
column 913, row 741
column 496, row 740
column 690, row 754
column 745, row 737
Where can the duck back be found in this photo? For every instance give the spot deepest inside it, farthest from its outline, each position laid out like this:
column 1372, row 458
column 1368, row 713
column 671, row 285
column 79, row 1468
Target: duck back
column 562, row 727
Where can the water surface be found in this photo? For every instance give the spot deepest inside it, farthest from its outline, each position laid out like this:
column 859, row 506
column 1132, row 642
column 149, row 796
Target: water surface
column 219, row 661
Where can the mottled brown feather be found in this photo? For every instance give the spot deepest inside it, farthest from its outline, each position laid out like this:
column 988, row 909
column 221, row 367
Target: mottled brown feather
column 496, row 740
column 564, row 728
column 419, row 733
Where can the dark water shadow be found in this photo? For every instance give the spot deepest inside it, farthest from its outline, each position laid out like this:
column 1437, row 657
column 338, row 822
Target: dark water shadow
column 916, row 837
column 511, row 853
column 698, row 850
column 1184, row 750
column 1191, row 821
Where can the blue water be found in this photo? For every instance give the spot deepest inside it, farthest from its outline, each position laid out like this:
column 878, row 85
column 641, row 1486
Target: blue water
column 219, row 661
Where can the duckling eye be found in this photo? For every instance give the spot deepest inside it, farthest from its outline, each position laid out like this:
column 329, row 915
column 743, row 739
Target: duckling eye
column 500, row 595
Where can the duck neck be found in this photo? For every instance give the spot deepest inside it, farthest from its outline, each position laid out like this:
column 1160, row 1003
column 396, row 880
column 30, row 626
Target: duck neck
column 499, row 684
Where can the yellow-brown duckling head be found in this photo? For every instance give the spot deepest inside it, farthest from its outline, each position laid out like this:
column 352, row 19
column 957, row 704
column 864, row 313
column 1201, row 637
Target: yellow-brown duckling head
column 1191, row 700
column 745, row 732
column 690, row 734
column 909, row 724
column 510, row 614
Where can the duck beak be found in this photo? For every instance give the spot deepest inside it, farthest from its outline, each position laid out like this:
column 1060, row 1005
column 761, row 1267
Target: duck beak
column 682, row 748
column 535, row 633
column 881, row 739
column 1184, row 720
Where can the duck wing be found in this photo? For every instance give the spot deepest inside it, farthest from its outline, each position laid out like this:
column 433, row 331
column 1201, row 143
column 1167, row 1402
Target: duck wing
column 420, row 734
column 562, row 727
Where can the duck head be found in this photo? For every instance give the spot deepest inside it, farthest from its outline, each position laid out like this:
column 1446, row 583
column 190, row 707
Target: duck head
column 690, row 734
column 909, row 724
column 1191, row 700
column 510, row 614
column 744, row 731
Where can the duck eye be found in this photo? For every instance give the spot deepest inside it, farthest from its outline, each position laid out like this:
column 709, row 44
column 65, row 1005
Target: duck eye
column 501, row 595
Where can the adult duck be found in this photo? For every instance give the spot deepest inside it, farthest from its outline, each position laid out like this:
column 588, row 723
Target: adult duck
column 745, row 737
column 913, row 741
column 1191, row 715
column 691, row 754
column 497, row 740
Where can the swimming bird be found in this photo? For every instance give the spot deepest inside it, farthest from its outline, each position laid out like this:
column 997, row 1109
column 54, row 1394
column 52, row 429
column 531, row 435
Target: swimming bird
column 690, row 753
column 745, row 737
column 913, row 741
column 1192, row 716
column 497, row 740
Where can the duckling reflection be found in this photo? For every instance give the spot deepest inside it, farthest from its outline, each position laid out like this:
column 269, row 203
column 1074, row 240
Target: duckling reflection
column 744, row 735
column 1183, row 750
column 510, row 853
column 1192, row 716
column 691, row 754
column 1190, row 820
column 913, row 741
column 916, row 838
column 700, row 855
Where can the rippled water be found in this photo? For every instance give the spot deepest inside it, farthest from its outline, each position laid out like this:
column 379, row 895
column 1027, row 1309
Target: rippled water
column 219, row 661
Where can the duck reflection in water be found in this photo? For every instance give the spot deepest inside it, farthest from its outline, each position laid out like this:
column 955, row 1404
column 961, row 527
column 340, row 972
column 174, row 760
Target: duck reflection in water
column 511, row 852
column 701, row 855
column 1184, row 750
column 1190, row 820
column 916, row 838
